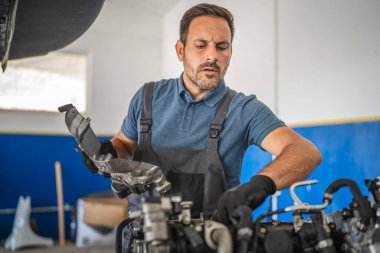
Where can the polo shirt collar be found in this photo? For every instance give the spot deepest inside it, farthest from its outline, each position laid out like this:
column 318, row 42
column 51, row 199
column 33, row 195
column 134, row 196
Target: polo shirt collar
column 211, row 99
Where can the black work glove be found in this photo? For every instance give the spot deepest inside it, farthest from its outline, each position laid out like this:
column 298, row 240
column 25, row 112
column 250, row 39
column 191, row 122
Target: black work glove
column 106, row 147
column 252, row 194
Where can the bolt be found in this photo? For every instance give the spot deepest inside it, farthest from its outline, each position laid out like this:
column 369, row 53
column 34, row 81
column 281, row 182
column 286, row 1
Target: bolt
column 263, row 230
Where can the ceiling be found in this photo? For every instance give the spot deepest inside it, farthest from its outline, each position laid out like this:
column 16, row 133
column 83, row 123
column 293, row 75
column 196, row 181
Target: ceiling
column 160, row 7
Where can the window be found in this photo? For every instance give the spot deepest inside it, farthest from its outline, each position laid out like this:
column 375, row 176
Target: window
column 44, row 83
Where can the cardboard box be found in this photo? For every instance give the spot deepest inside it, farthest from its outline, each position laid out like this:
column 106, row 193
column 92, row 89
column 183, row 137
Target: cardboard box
column 104, row 211
column 89, row 235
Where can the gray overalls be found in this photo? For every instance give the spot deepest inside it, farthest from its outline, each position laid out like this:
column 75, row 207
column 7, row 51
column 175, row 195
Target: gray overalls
column 197, row 175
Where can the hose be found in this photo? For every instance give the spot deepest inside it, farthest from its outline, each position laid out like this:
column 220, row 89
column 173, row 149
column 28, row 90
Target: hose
column 364, row 207
column 218, row 237
column 223, row 240
column 242, row 217
column 119, row 235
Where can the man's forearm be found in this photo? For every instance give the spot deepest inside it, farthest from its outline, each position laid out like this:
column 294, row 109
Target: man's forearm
column 125, row 147
column 294, row 163
column 121, row 150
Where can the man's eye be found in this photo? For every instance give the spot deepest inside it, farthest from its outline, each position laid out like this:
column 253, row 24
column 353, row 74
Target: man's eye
column 222, row 46
column 200, row 46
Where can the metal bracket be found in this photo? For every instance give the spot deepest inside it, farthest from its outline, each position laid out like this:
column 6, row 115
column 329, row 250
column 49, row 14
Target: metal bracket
column 131, row 173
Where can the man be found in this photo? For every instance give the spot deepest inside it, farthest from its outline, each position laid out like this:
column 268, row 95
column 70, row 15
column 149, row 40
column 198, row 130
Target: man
column 197, row 129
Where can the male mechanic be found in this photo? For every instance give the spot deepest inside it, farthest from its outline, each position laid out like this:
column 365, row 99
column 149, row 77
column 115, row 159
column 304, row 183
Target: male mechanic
column 197, row 129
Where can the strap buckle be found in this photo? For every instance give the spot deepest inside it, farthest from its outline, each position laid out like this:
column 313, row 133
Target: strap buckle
column 215, row 130
column 145, row 125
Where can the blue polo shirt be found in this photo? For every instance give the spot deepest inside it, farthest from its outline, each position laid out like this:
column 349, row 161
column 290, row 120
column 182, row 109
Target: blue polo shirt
column 183, row 123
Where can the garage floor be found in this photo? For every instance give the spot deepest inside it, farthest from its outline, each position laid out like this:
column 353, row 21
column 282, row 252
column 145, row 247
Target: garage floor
column 69, row 248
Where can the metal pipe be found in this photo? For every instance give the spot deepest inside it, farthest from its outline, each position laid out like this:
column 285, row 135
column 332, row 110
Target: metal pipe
column 218, row 237
column 44, row 209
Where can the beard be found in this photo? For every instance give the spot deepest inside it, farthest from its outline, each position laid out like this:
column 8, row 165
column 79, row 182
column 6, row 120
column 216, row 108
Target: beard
column 202, row 80
column 208, row 82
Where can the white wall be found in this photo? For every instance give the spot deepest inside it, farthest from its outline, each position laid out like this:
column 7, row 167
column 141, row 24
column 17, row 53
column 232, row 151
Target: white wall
column 327, row 55
column 329, row 59
column 307, row 60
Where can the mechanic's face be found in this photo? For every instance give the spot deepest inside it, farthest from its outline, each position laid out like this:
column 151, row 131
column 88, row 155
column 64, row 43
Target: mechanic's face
column 207, row 52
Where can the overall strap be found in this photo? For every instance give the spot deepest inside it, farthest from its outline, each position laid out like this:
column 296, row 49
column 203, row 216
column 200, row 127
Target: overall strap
column 217, row 125
column 146, row 113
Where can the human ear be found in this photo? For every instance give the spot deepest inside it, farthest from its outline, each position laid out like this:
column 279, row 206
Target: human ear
column 179, row 47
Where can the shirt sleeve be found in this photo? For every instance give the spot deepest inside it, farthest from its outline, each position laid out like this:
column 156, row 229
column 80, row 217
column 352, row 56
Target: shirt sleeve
column 262, row 121
column 130, row 125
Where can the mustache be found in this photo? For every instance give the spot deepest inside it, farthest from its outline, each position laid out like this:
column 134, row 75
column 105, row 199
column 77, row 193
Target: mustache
column 209, row 64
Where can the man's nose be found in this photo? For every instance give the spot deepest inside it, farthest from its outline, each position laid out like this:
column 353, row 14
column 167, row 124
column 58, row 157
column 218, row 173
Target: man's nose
column 211, row 52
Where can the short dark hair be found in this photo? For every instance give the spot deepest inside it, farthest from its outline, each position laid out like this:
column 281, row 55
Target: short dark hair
column 204, row 9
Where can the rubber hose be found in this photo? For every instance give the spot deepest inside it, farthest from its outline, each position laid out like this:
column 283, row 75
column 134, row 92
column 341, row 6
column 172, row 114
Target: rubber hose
column 119, row 234
column 365, row 209
column 243, row 219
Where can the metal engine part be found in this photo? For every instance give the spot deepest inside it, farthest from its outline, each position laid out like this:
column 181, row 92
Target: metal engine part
column 156, row 228
column 166, row 227
column 127, row 175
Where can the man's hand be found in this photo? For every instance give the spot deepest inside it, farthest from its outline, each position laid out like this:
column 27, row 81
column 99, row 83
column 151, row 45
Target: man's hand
column 252, row 194
column 106, row 147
